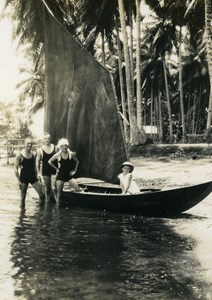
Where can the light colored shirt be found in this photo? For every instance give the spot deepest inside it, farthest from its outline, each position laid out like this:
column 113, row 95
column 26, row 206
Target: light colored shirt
column 124, row 180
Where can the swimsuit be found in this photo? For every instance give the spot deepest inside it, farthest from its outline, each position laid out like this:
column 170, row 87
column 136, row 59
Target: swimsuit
column 65, row 167
column 47, row 170
column 28, row 174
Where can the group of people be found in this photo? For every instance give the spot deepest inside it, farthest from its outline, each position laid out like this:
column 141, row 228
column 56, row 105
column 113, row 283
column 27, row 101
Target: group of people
column 51, row 166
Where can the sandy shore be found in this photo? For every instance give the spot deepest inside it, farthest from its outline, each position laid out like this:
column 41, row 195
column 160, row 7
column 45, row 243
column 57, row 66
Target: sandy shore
column 166, row 172
column 149, row 172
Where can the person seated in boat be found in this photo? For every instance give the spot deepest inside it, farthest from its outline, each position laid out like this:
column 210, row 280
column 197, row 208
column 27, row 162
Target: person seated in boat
column 67, row 167
column 26, row 172
column 45, row 171
column 127, row 183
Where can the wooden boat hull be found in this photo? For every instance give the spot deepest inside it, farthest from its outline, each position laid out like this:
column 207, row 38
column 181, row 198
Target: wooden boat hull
column 147, row 203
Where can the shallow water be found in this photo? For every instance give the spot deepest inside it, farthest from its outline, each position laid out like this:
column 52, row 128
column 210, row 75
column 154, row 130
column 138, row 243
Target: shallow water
column 50, row 253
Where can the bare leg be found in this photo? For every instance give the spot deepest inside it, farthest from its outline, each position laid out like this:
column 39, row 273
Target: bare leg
column 47, row 187
column 73, row 184
column 23, row 188
column 59, row 184
column 39, row 189
column 54, row 187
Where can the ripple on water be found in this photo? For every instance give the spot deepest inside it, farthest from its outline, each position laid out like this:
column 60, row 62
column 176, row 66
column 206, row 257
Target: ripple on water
column 51, row 253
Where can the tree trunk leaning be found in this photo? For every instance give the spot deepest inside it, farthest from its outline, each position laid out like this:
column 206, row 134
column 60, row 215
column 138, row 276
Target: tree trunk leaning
column 131, row 109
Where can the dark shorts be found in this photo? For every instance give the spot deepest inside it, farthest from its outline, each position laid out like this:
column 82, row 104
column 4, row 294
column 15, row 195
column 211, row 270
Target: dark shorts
column 64, row 177
column 48, row 174
column 47, row 170
column 28, row 179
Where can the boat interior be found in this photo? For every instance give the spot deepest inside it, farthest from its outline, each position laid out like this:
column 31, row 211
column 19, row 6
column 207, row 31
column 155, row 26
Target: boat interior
column 90, row 188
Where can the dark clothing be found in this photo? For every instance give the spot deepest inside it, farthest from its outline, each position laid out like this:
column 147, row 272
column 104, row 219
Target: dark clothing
column 47, row 170
column 28, row 173
column 65, row 167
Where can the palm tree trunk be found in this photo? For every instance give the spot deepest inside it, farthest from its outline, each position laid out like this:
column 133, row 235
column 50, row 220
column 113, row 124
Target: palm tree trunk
column 131, row 45
column 138, row 66
column 160, row 127
column 103, row 47
column 198, row 110
column 131, row 109
column 189, row 111
column 181, row 87
column 156, row 119
column 168, row 101
column 208, row 29
column 151, row 108
column 193, row 114
column 121, row 81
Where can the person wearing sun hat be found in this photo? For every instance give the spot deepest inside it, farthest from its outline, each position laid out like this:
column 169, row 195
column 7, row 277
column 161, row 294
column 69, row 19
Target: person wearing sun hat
column 127, row 163
column 127, row 183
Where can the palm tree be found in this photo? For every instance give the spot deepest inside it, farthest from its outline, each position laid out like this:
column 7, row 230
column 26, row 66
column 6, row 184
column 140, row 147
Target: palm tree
column 122, row 86
column 99, row 17
column 131, row 109
column 208, row 31
column 178, row 10
column 28, row 16
column 202, row 12
column 161, row 38
column 33, row 86
column 138, row 65
column 196, row 82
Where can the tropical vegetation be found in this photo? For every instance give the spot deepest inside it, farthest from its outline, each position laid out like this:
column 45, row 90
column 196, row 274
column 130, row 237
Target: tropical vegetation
column 159, row 52
column 14, row 122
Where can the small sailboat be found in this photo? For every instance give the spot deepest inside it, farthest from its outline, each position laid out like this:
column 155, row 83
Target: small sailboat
column 81, row 105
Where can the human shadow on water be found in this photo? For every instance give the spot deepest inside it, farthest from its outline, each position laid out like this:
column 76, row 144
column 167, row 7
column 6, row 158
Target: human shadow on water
column 80, row 254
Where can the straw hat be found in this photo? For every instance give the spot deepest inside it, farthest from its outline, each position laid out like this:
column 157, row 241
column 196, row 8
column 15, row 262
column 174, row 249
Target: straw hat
column 127, row 163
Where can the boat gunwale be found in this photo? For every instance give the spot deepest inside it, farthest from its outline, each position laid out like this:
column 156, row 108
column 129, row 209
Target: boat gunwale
column 145, row 191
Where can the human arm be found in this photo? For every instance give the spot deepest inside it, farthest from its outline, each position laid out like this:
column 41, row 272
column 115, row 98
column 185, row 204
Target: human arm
column 57, row 149
column 38, row 162
column 128, row 184
column 74, row 156
column 52, row 159
column 35, row 167
column 121, row 183
column 122, row 187
column 16, row 168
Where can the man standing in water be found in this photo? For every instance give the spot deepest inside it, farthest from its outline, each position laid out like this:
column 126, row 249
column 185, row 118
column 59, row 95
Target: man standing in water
column 47, row 172
column 26, row 172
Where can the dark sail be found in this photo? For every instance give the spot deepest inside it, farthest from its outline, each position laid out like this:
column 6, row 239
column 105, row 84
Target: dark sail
column 81, row 104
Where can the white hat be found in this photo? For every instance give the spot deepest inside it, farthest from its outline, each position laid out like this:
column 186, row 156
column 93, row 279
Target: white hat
column 127, row 163
column 63, row 142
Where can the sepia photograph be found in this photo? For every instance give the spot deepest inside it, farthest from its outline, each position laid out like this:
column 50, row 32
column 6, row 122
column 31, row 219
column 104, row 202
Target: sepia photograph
column 106, row 149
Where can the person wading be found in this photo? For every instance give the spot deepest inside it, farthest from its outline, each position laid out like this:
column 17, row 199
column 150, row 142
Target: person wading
column 67, row 167
column 45, row 171
column 26, row 172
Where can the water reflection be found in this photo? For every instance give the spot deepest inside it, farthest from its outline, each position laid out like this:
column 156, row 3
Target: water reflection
column 65, row 254
column 159, row 260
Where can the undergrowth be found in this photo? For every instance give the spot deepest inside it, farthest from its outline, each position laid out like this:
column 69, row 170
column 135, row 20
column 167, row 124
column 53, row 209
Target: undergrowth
column 156, row 150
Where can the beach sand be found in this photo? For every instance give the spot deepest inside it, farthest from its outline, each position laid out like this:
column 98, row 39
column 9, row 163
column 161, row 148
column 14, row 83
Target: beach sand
column 168, row 173
column 149, row 172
